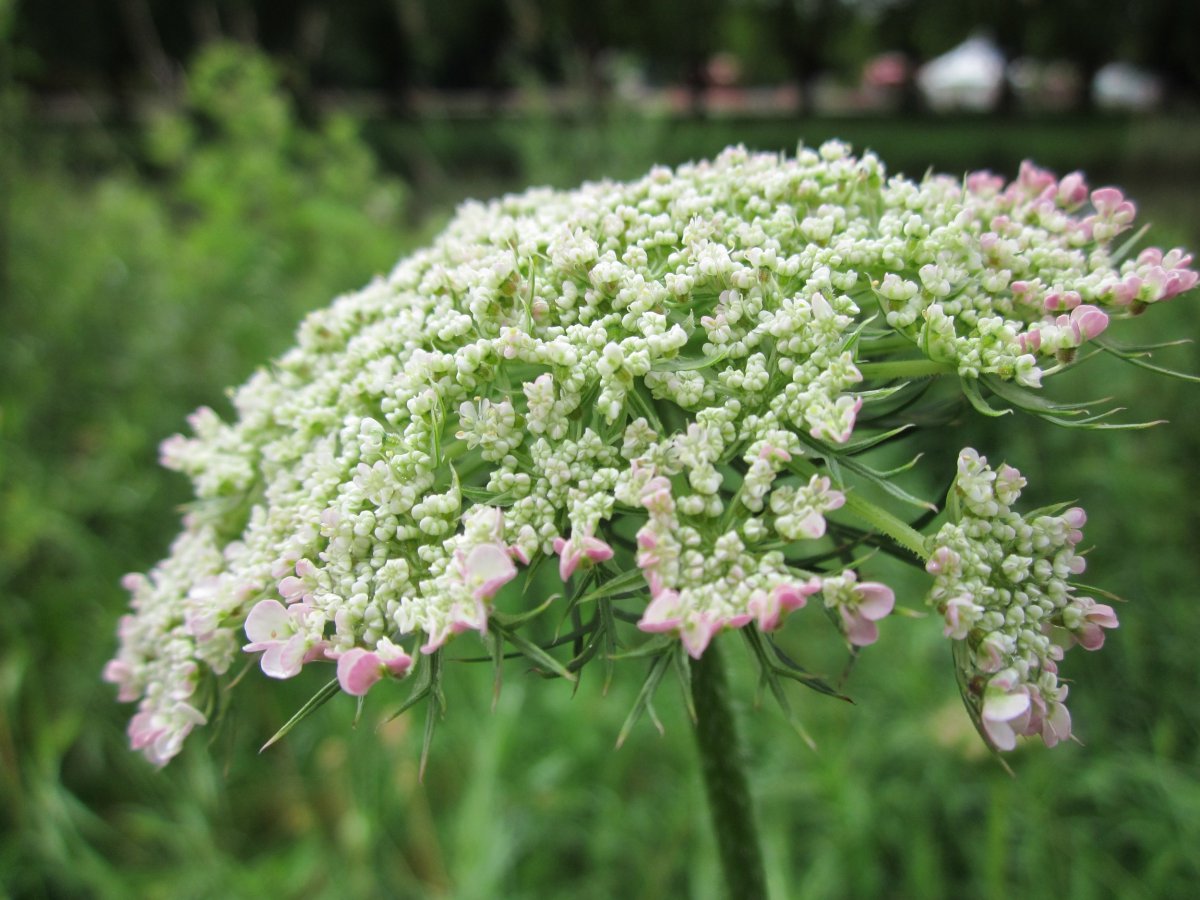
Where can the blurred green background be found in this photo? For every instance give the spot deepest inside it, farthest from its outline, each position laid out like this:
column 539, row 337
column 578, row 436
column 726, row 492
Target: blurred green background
column 181, row 182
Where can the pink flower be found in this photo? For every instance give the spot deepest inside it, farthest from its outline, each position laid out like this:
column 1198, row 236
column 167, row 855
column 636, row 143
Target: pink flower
column 959, row 614
column 1088, row 321
column 1006, row 708
column 984, row 183
column 576, row 550
column 1056, row 723
column 860, row 606
column 298, row 588
column 282, row 633
column 991, row 653
column 1111, row 205
column 486, row 568
column 1065, row 300
column 1076, row 518
column 664, row 612
column 159, row 733
column 840, row 424
column 1095, row 617
column 771, row 453
column 769, row 606
column 358, row 669
column 120, row 673
column 944, row 561
column 481, row 571
column 656, row 497
column 697, row 633
column 1034, row 181
column 1072, row 190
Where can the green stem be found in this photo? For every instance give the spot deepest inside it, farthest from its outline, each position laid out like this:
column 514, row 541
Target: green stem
column 905, row 368
column 884, row 522
column 722, row 762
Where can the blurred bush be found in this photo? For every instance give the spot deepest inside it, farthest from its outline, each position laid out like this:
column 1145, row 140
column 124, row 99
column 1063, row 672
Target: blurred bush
column 133, row 297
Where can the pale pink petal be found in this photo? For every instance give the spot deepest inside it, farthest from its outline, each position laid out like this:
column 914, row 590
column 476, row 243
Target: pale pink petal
column 860, row 632
column 596, row 550
column 697, row 633
column 1000, row 734
column 1103, row 615
column 1090, row 320
column 812, row 525
column 568, row 558
column 1056, row 726
column 1090, row 636
column 1003, row 707
column 794, row 596
column 292, row 588
column 283, row 659
column 662, row 614
column 357, row 670
column 764, row 607
column 142, row 730
column 1106, row 200
column 269, row 621
column 488, row 567
column 875, row 600
column 394, row 657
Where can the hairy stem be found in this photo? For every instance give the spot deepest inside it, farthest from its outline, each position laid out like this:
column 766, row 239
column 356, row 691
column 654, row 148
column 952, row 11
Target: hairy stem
column 886, row 523
column 722, row 762
column 905, row 368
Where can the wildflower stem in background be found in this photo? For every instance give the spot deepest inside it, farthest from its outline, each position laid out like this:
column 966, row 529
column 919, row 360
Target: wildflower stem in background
column 723, row 767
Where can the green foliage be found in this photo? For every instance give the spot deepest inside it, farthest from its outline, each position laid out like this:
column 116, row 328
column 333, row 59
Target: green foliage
column 135, row 297
column 130, row 301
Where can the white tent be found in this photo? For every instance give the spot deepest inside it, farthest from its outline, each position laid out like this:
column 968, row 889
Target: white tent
column 970, row 77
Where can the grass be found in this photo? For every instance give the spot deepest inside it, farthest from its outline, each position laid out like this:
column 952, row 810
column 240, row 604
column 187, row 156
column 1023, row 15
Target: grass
column 141, row 288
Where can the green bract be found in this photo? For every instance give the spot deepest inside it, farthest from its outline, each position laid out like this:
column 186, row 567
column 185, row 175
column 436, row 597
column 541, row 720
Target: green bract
column 665, row 386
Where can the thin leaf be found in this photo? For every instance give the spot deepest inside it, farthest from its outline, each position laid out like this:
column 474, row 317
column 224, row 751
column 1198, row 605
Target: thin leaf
column 658, row 668
column 1128, row 245
column 496, row 650
column 627, row 582
column 770, row 677
column 1031, row 402
column 970, row 389
column 513, row 620
column 684, row 364
column 1094, row 423
column 881, row 480
column 1092, row 589
column 608, row 630
column 490, row 498
column 792, row 669
column 1140, row 349
column 1135, row 359
column 683, row 671
column 422, row 686
column 319, row 699
column 535, row 653
column 651, row 647
column 875, row 440
column 432, row 710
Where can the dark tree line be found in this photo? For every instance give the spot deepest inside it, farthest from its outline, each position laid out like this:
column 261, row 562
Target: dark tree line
column 396, row 46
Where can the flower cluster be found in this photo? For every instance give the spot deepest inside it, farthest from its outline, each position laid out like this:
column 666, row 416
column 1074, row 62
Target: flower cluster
column 656, row 378
column 1002, row 582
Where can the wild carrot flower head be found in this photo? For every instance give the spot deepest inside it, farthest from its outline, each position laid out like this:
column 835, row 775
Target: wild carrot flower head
column 652, row 401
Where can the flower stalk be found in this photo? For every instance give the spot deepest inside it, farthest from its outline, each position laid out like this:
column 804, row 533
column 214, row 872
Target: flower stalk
column 723, row 767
